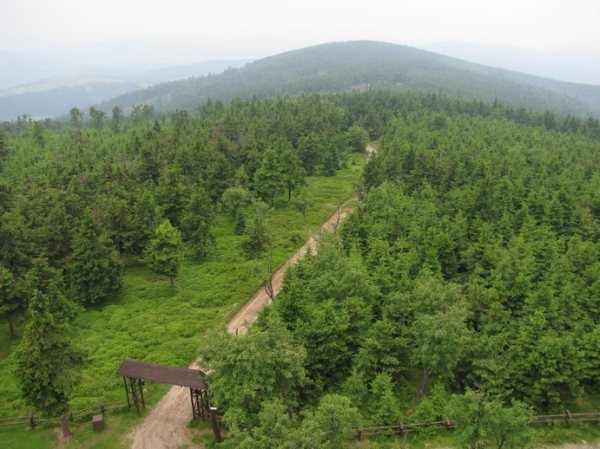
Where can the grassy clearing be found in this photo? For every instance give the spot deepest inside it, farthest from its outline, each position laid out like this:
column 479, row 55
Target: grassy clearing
column 152, row 322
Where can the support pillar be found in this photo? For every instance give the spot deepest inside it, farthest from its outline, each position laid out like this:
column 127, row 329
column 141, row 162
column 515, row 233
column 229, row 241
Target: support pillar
column 215, row 425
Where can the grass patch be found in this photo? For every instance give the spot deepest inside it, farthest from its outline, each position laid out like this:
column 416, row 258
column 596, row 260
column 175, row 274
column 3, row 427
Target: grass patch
column 152, row 322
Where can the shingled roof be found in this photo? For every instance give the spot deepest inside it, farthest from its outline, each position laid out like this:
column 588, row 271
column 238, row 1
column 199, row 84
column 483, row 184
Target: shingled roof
column 191, row 378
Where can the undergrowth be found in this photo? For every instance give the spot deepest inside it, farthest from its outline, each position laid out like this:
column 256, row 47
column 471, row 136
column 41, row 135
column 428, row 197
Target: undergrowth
column 152, row 322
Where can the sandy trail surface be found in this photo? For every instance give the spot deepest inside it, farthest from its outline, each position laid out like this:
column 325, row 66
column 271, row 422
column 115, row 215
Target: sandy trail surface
column 166, row 425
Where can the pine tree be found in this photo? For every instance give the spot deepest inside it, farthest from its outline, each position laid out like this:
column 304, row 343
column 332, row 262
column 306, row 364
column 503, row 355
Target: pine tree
column 13, row 298
column 196, row 222
column 166, row 251
column 47, row 360
column 94, row 271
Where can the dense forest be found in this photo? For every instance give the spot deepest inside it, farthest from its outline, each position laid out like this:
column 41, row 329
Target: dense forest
column 469, row 267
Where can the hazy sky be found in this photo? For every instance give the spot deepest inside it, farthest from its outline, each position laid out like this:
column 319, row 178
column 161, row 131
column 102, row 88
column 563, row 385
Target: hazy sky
column 257, row 28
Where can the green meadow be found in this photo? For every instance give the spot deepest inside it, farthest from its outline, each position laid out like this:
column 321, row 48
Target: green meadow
column 152, row 322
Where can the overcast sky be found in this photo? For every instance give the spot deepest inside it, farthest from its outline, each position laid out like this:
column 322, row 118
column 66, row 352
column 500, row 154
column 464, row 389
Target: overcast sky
column 257, row 28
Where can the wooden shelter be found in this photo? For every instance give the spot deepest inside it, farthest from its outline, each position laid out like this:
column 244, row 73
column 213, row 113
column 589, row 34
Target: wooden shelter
column 135, row 373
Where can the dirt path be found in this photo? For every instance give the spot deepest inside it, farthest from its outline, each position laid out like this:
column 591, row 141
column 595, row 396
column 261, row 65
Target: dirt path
column 166, row 425
column 260, row 298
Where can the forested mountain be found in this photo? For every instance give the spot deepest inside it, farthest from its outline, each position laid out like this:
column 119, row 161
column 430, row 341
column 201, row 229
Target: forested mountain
column 366, row 65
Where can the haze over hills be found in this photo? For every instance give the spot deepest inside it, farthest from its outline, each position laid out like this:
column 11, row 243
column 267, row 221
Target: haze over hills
column 334, row 67
column 572, row 67
column 47, row 83
column 360, row 65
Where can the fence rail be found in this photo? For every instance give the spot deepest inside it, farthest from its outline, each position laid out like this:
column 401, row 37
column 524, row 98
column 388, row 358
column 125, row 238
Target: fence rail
column 402, row 428
column 32, row 420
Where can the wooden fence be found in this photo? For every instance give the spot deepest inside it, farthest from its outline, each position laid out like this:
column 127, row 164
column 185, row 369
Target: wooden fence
column 403, row 429
column 33, row 420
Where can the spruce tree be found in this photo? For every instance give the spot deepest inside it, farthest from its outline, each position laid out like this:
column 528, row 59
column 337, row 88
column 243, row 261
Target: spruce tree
column 166, row 251
column 196, row 222
column 94, row 271
column 47, row 360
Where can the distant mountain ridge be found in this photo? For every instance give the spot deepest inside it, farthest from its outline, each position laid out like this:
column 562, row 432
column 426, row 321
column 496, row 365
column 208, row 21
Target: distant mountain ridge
column 347, row 66
column 57, row 95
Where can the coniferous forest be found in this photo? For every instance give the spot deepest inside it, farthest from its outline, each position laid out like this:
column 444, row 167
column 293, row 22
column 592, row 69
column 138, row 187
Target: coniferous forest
column 464, row 283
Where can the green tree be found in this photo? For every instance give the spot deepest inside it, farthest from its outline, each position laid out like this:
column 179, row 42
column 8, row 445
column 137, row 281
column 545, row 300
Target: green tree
column 39, row 134
column 94, row 269
column 357, row 138
column 384, row 407
column 257, row 232
column 302, row 202
column 485, row 422
column 47, row 359
column 310, row 151
column 3, row 150
column 118, row 117
column 265, row 364
column 275, row 430
column 146, row 218
column 331, row 425
column 234, row 202
column 166, row 251
column 97, row 117
column 293, row 174
column 76, row 117
column 268, row 179
column 172, row 195
column 13, row 298
column 196, row 223
column 439, row 332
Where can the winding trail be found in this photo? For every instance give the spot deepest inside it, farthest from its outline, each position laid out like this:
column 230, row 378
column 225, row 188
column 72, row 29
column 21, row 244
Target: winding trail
column 166, row 425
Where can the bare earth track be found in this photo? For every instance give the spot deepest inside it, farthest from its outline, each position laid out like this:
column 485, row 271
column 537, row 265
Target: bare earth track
column 166, row 425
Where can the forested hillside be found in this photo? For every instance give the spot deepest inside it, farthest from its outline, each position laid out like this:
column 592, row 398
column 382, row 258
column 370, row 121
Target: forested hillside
column 468, row 268
column 468, row 276
column 364, row 65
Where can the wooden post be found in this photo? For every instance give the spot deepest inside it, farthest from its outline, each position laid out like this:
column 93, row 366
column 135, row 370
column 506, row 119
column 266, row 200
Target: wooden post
column 359, row 436
column 215, row 426
column 31, row 420
column 193, row 403
column 101, row 407
column 141, row 387
column 65, row 428
column 127, row 392
column 134, row 397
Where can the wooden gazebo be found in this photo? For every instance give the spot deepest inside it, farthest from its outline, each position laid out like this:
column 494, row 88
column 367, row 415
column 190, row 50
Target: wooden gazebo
column 135, row 373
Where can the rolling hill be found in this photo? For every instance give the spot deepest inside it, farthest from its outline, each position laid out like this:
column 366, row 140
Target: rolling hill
column 362, row 65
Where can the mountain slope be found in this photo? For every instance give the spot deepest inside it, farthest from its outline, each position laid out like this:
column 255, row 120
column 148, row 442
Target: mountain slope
column 338, row 67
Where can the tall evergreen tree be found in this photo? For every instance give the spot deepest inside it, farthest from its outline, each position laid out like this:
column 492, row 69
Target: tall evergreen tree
column 94, row 269
column 13, row 298
column 268, row 179
column 166, row 251
column 196, row 222
column 47, row 359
